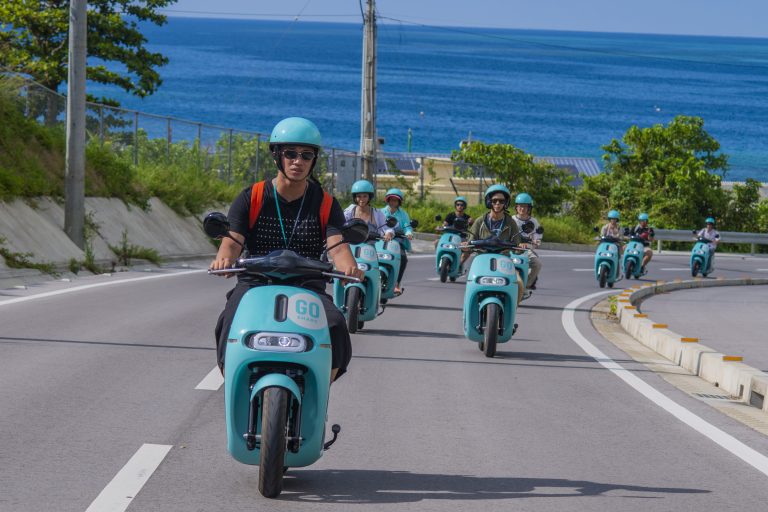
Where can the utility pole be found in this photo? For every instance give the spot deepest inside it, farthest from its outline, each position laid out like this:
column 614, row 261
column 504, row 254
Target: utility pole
column 368, row 110
column 74, row 172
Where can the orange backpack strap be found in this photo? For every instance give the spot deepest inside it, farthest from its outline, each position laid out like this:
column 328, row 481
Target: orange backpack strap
column 257, row 200
column 325, row 210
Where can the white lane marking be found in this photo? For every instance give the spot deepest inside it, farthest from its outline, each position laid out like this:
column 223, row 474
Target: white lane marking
column 95, row 285
column 420, row 256
column 212, row 381
column 119, row 493
column 752, row 457
column 583, row 269
column 762, row 270
column 675, row 268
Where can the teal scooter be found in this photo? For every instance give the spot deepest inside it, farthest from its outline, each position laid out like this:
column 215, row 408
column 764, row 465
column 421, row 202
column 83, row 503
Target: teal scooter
column 277, row 367
column 632, row 261
column 448, row 253
column 607, row 261
column 491, row 295
column 388, row 253
column 702, row 260
column 360, row 301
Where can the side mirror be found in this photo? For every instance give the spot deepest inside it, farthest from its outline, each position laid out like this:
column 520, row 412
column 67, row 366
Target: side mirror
column 355, row 231
column 540, row 230
column 528, row 227
column 438, row 217
column 694, row 231
column 596, row 229
column 391, row 222
column 414, row 223
column 626, row 231
column 216, row 225
column 460, row 224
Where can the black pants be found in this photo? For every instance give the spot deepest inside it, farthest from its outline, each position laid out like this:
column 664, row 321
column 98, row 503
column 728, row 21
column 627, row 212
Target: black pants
column 341, row 346
column 403, row 263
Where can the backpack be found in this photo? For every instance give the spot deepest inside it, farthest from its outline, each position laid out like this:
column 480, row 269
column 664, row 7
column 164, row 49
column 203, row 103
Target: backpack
column 257, row 200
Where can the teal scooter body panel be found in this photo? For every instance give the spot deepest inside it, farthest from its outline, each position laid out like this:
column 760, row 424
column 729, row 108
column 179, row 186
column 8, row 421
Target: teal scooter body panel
column 304, row 315
column 477, row 296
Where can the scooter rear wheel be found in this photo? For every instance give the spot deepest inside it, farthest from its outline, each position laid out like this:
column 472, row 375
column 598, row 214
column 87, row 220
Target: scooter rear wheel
column 353, row 308
column 445, row 266
column 274, row 416
column 491, row 334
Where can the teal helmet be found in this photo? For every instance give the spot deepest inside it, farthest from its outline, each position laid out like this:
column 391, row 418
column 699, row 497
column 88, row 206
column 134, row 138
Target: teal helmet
column 523, row 198
column 493, row 189
column 460, row 199
column 394, row 192
column 294, row 130
column 614, row 214
column 362, row 187
column 710, row 220
column 643, row 216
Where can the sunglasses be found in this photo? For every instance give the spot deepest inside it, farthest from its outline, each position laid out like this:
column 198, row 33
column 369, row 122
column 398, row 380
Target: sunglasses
column 460, row 205
column 498, row 201
column 292, row 154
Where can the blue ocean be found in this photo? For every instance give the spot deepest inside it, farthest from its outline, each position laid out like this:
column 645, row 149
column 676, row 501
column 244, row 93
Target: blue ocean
column 549, row 93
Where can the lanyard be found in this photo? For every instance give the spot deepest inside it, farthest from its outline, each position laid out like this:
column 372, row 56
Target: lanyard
column 287, row 241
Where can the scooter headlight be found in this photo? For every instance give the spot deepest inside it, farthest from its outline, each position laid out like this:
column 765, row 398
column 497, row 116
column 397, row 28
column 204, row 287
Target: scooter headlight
column 493, row 281
column 633, row 252
column 363, row 266
column 516, row 261
column 606, row 254
column 699, row 252
column 385, row 256
column 277, row 342
column 448, row 246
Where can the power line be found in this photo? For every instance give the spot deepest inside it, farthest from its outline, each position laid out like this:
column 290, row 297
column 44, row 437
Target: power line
column 256, row 14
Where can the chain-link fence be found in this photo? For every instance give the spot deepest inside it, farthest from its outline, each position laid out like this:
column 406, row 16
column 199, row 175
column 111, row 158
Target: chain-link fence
column 233, row 155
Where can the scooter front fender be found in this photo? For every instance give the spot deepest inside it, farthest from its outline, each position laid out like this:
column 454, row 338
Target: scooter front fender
column 276, row 380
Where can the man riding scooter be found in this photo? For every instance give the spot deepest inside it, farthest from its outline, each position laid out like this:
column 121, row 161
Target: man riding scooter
column 523, row 209
column 647, row 233
column 459, row 212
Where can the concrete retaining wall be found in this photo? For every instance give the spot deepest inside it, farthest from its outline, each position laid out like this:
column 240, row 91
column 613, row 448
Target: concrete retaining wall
column 739, row 380
column 37, row 227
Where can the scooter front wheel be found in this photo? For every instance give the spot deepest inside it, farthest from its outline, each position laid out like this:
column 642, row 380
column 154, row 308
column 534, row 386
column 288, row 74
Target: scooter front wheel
column 353, row 308
column 445, row 266
column 695, row 268
column 630, row 269
column 274, row 416
column 603, row 276
column 491, row 334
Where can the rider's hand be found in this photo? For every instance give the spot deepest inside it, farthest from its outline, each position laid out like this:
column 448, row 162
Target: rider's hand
column 221, row 264
column 352, row 271
column 388, row 236
column 536, row 243
column 410, row 236
column 524, row 245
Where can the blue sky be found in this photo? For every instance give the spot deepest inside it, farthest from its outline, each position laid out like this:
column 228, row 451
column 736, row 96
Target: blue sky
column 747, row 18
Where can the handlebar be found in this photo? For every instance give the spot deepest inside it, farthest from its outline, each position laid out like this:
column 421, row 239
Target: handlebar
column 284, row 264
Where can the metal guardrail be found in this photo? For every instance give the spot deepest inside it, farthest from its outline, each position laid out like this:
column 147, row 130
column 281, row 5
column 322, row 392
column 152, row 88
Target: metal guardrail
column 726, row 237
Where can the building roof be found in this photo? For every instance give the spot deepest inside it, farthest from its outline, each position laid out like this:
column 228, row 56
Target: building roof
column 586, row 166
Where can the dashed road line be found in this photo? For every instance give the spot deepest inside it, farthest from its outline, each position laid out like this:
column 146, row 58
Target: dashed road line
column 211, row 382
column 120, row 492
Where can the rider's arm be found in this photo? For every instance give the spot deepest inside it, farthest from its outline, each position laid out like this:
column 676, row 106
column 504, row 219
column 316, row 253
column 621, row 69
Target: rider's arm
column 227, row 253
column 406, row 222
column 342, row 257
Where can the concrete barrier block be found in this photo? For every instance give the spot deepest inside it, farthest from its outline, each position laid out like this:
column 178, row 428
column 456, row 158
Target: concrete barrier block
column 711, row 367
column 690, row 356
column 758, row 389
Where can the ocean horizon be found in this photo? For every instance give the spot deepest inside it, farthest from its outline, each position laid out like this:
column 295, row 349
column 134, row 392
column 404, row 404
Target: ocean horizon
column 550, row 93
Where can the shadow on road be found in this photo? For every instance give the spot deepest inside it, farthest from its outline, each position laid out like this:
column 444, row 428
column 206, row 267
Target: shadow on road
column 421, row 306
column 375, row 486
column 411, row 334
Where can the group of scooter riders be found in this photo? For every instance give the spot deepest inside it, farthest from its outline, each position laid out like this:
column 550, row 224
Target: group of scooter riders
column 292, row 212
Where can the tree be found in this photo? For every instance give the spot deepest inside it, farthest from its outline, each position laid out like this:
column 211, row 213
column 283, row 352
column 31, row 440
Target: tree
column 34, row 41
column 673, row 172
column 549, row 185
column 742, row 213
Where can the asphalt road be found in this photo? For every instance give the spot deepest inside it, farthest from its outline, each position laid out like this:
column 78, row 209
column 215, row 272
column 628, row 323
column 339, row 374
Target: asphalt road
column 89, row 378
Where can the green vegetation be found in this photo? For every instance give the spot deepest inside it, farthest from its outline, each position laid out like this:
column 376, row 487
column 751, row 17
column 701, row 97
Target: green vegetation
column 21, row 260
column 34, row 35
column 127, row 251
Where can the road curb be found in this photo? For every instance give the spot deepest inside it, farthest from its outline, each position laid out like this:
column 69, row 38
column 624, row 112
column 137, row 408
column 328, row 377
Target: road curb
column 749, row 385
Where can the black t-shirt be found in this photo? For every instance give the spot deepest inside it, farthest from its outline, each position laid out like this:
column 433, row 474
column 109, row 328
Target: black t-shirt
column 267, row 236
column 451, row 218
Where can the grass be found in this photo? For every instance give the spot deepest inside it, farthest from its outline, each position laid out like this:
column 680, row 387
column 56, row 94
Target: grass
column 22, row 260
column 127, row 251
